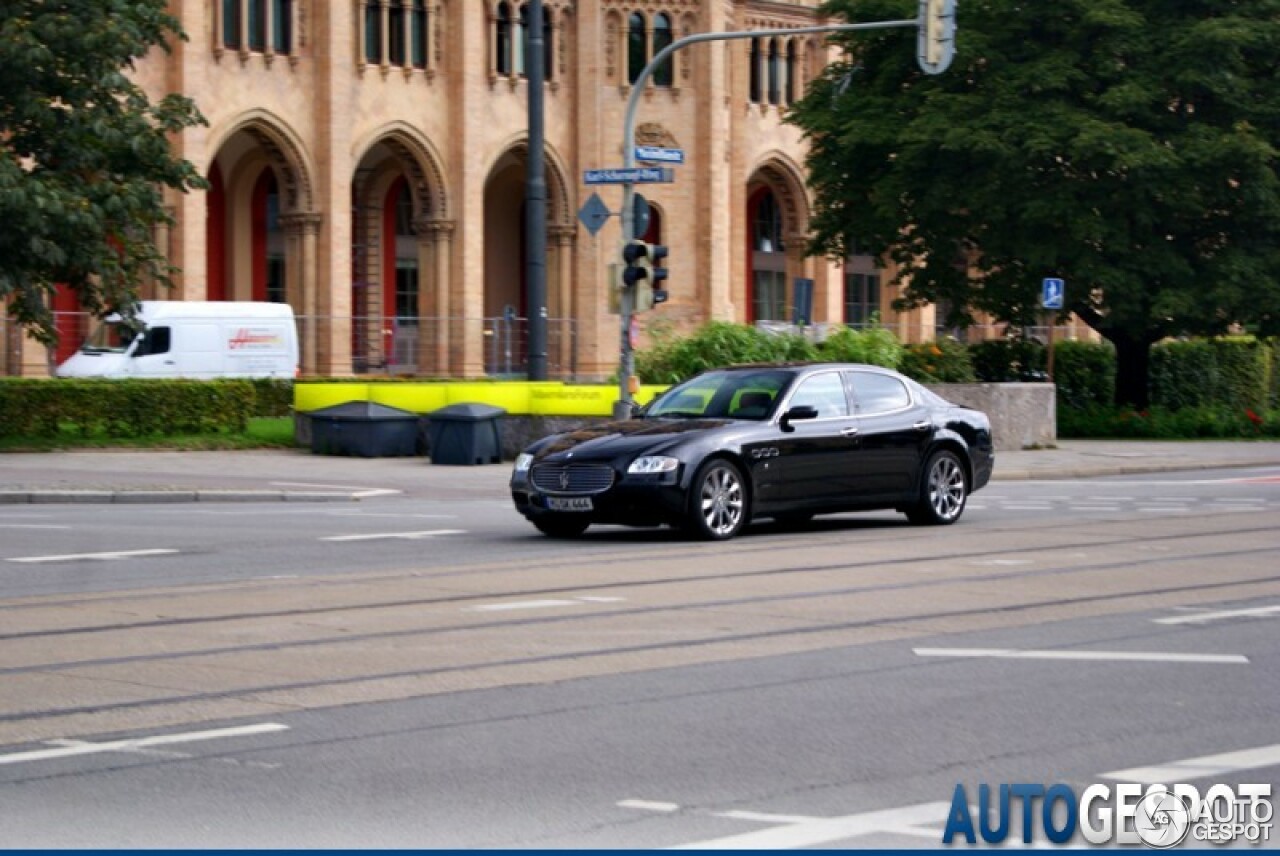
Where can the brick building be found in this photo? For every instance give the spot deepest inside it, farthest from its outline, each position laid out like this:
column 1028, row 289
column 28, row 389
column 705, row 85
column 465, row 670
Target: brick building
column 366, row 161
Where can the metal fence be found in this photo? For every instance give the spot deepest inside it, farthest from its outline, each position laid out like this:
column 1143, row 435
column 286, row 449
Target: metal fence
column 380, row 345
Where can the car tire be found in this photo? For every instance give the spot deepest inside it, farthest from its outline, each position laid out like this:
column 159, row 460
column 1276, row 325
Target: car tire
column 718, row 503
column 561, row 525
column 944, row 489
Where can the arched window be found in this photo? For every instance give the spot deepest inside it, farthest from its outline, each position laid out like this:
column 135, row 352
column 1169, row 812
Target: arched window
column 502, row 44
column 756, row 92
column 257, row 25
column 775, row 68
column 373, row 31
column 663, row 74
column 520, row 43
column 418, row 34
column 792, row 87
column 637, row 47
column 547, row 46
column 396, row 31
column 263, row 21
column 231, row 23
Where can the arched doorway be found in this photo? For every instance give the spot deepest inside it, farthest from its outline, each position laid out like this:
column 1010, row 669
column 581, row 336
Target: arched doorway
column 261, row 232
column 400, row 251
column 506, row 285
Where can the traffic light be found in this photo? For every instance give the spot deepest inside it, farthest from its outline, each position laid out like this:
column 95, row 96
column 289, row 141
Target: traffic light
column 645, row 272
column 936, row 40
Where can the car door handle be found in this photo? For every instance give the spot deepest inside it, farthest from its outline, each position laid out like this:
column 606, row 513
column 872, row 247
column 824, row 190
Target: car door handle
column 923, row 425
column 849, row 432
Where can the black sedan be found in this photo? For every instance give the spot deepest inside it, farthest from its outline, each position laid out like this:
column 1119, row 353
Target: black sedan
column 765, row 441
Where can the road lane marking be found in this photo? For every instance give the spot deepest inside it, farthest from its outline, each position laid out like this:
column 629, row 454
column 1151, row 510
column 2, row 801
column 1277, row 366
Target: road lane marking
column 104, row 557
column 815, row 831
column 1117, row 656
column 1201, row 617
column 649, row 805
column 410, row 536
column 131, row 745
column 360, row 492
column 540, row 604
column 1206, row 766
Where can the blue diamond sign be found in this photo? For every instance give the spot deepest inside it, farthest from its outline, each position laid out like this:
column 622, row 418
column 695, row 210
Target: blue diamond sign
column 594, row 213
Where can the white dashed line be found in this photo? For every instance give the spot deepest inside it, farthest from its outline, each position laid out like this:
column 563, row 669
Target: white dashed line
column 1114, row 656
column 1202, row 617
column 410, row 536
column 101, row 557
column 1204, row 767
column 67, row 750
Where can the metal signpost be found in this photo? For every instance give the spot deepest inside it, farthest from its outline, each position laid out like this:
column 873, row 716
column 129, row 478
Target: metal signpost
column 1053, row 296
column 935, row 20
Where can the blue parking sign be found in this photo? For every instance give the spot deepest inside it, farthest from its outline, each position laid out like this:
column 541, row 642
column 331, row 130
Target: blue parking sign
column 1054, row 293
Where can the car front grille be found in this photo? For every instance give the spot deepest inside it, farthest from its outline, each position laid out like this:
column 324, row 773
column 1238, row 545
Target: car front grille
column 573, row 479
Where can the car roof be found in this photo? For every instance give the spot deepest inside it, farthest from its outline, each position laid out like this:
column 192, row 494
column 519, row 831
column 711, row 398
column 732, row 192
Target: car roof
column 800, row 365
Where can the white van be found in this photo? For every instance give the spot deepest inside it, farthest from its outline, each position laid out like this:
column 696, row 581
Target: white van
column 192, row 339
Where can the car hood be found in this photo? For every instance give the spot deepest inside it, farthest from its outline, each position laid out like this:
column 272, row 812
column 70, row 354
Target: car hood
column 632, row 437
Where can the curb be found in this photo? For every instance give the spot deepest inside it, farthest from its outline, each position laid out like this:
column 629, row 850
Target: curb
column 139, row 497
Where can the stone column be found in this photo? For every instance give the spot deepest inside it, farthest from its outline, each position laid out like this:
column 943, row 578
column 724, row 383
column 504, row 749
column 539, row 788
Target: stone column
column 301, row 282
column 439, row 235
column 560, row 298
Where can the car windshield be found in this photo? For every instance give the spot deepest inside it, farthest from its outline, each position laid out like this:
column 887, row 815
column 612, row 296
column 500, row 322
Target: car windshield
column 110, row 337
column 741, row 394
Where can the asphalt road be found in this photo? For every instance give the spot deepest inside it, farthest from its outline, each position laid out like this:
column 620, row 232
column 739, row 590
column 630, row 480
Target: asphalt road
column 430, row 672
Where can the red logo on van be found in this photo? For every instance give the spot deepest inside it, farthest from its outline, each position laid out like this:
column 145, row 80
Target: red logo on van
column 246, row 339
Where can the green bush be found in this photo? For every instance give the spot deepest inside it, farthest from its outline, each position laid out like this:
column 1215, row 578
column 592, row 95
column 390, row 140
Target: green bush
column 874, row 345
column 673, row 359
column 1233, row 372
column 123, row 408
column 1009, row 361
column 1159, row 423
column 1084, row 374
column 943, row 361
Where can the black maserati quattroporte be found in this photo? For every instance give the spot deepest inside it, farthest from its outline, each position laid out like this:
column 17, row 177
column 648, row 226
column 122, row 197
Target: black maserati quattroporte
column 775, row 441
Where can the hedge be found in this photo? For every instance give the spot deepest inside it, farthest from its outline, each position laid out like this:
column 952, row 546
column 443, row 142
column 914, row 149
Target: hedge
column 31, row 407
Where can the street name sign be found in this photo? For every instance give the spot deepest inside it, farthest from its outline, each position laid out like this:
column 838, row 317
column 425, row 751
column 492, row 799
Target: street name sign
column 635, row 175
column 657, row 154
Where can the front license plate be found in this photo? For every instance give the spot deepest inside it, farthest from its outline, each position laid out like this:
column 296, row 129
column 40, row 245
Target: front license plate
column 569, row 503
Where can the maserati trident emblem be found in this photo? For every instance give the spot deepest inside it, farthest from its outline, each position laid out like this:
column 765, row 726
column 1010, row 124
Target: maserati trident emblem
column 564, row 479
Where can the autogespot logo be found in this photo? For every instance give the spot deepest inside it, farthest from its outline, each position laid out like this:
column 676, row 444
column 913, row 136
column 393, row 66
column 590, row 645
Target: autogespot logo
column 1157, row 816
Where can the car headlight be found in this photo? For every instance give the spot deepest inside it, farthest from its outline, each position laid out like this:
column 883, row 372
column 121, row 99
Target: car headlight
column 523, row 461
column 653, row 464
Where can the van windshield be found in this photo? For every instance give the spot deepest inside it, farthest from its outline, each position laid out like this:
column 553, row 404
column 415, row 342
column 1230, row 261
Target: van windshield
column 109, row 337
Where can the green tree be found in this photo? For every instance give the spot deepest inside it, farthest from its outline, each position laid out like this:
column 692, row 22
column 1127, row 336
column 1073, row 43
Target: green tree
column 1128, row 146
column 84, row 154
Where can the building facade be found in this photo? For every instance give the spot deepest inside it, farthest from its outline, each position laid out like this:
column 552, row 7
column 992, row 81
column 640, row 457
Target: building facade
column 366, row 164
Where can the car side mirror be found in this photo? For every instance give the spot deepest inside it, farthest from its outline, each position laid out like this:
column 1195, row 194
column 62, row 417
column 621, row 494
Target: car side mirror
column 803, row 411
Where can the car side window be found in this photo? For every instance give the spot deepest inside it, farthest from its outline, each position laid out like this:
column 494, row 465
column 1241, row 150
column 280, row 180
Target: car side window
column 877, row 393
column 825, row 392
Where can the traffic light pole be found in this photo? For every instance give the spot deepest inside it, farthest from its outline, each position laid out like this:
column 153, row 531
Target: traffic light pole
column 622, row 409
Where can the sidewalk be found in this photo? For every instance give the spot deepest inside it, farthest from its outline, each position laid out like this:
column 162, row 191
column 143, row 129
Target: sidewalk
column 300, row 476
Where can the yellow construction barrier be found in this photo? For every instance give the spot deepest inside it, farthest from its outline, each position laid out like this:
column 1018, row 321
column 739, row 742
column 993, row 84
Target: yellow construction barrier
column 517, row 398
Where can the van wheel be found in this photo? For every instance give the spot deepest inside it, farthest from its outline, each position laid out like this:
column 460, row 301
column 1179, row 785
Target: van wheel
column 561, row 525
column 943, row 491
